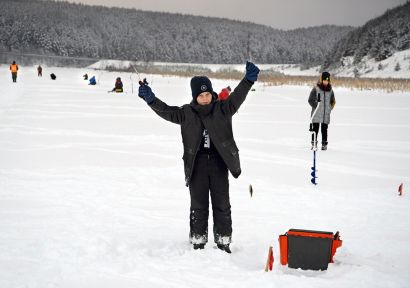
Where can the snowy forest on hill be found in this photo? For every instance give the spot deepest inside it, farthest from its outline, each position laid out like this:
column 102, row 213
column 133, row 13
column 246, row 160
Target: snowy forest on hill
column 378, row 39
column 64, row 29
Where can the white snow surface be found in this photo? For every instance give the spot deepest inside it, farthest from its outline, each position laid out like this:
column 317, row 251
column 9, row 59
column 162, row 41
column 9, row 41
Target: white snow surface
column 92, row 190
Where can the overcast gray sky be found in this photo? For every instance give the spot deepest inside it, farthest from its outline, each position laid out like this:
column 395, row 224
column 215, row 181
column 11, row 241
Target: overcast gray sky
column 282, row 14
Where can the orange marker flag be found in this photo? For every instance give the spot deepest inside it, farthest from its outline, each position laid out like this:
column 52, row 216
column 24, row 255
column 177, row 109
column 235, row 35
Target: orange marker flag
column 269, row 261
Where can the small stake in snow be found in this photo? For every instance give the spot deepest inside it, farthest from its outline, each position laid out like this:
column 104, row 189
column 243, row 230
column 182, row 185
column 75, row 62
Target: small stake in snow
column 400, row 189
column 269, row 261
column 132, row 84
column 250, row 190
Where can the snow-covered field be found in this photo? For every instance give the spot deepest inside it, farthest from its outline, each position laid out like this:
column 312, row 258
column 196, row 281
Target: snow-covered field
column 92, row 188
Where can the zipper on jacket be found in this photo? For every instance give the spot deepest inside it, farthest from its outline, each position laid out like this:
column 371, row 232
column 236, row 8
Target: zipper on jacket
column 324, row 105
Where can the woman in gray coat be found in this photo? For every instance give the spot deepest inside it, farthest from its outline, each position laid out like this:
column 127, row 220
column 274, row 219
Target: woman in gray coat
column 322, row 100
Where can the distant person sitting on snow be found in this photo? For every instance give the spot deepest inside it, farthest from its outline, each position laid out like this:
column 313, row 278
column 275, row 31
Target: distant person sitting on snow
column 321, row 110
column 92, row 81
column 53, row 76
column 224, row 94
column 14, row 68
column 85, row 76
column 118, row 86
column 209, row 152
column 39, row 71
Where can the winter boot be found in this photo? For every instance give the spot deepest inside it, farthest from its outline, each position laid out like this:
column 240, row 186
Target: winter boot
column 314, row 145
column 324, row 147
column 224, row 247
column 199, row 246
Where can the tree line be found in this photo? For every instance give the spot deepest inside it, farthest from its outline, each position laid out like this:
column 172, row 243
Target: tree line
column 77, row 30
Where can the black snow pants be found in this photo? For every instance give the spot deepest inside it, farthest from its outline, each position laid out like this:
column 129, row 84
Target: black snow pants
column 14, row 76
column 323, row 129
column 210, row 174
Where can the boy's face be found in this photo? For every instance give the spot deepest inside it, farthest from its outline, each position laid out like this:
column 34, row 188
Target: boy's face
column 204, row 98
column 325, row 82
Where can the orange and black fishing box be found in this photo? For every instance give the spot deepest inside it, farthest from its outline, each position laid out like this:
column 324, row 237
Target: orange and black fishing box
column 308, row 249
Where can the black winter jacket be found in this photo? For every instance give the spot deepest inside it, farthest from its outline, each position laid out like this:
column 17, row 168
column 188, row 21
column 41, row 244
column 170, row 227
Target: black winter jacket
column 216, row 118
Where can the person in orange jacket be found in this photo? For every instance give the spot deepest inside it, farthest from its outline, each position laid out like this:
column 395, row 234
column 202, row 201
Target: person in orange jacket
column 14, row 68
column 224, row 94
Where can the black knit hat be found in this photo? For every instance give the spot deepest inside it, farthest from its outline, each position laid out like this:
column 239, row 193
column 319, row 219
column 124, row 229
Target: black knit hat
column 200, row 84
column 325, row 76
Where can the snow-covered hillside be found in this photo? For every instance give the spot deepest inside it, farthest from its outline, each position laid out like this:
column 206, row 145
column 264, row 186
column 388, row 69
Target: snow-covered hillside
column 92, row 190
column 396, row 66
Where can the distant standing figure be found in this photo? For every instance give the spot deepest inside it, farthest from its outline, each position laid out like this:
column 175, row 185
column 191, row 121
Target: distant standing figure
column 85, row 76
column 14, row 68
column 224, row 94
column 53, row 76
column 92, row 81
column 39, row 71
column 322, row 100
column 118, row 86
